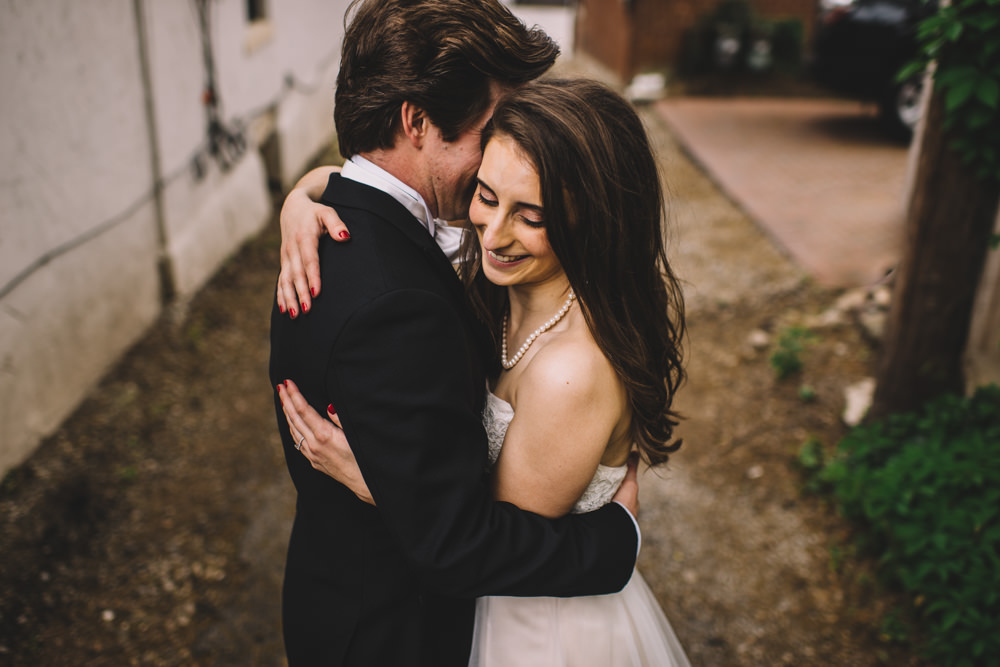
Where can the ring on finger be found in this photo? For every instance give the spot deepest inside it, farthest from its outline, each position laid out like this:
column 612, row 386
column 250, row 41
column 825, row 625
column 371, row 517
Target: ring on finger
column 298, row 445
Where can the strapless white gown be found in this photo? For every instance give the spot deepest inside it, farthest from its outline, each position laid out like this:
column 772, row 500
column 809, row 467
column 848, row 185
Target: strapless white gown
column 626, row 629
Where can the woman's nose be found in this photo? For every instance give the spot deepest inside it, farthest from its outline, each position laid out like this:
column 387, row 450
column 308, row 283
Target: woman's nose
column 495, row 233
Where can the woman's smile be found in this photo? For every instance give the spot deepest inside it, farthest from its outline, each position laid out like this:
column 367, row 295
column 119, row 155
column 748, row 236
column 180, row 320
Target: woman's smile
column 505, row 260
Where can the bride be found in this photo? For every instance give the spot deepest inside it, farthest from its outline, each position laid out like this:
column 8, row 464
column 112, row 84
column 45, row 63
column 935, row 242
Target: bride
column 567, row 267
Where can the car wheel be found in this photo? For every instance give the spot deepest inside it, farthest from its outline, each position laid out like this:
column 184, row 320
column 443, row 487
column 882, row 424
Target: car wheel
column 901, row 108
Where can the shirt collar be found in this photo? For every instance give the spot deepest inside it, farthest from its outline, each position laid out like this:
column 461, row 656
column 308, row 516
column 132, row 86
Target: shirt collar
column 366, row 172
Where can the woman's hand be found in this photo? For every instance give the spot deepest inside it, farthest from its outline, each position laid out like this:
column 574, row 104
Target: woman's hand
column 303, row 222
column 322, row 441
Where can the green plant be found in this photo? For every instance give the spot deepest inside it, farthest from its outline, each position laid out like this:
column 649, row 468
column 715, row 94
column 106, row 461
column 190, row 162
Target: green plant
column 807, row 393
column 786, row 359
column 925, row 490
column 811, row 454
column 962, row 37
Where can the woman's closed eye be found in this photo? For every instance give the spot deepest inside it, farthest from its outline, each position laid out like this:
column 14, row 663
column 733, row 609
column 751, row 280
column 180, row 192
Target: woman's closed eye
column 535, row 223
column 486, row 196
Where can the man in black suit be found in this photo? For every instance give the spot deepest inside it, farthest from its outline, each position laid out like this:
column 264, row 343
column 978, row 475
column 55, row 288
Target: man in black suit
column 393, row 346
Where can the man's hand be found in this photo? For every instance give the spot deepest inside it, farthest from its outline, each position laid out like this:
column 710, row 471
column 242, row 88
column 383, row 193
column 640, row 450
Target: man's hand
column 322, row 441
column 303, row 222
column 628, row 492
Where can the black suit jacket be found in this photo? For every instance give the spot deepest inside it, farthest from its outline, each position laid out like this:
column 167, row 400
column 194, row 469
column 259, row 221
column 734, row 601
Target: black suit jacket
column 392, row 345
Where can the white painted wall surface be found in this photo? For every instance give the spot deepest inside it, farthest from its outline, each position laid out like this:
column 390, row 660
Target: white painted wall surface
column 78, row 225
column 556, row 20
column 76, row 163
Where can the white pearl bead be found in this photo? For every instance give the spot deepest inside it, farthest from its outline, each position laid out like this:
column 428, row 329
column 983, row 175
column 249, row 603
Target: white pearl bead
column 508, row 364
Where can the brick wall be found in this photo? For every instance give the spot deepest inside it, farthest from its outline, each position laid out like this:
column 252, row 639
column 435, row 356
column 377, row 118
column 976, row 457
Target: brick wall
column 628, row 36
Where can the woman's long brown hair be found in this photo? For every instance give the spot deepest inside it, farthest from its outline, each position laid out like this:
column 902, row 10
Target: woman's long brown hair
column 603, row 209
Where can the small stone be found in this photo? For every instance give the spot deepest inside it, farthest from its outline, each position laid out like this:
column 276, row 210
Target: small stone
column 873, row 322
column 107, row 615
column 755, row 472
column 882, row 296
column 851, row 300
column 758, row 339
column 858, row 398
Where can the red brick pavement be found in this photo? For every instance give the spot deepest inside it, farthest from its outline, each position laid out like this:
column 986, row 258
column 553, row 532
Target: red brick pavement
column 816, row 175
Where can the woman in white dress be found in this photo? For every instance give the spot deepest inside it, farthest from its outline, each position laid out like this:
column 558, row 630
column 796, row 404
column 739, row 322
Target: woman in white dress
column 568, row 268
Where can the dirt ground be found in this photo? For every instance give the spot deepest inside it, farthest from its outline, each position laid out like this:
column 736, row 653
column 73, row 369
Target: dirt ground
column 151, row 528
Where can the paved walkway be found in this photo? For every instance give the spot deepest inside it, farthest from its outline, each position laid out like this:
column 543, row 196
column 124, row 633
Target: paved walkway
column 816, row 175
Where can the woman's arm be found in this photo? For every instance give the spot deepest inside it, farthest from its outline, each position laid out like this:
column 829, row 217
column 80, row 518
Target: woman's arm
column 569, row 405
column 303, row 222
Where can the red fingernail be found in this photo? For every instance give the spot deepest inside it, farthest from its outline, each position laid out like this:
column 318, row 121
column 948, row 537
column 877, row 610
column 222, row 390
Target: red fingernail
column 312, row 290
column 305, row 307
column 331, row 409
column 344, row 235
column 281, row 309
column 291, row 311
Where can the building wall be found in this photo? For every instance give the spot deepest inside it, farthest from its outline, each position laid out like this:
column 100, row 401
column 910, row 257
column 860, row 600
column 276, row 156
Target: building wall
column 629, row 36
column 604, row 32
column 82, row 232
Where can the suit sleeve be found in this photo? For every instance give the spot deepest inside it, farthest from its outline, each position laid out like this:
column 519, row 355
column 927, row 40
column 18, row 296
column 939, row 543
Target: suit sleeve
column 399, row 377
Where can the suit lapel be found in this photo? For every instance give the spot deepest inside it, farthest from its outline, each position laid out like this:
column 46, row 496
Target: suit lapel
column 345, row 192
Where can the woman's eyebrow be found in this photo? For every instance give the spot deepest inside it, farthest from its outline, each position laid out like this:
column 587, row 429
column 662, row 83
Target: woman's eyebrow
column 518, row 204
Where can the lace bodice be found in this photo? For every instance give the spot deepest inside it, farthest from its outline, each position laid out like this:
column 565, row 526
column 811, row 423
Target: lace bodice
column 497, row 416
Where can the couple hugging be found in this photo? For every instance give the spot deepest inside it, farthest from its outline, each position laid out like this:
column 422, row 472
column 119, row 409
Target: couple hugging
column 462, row 501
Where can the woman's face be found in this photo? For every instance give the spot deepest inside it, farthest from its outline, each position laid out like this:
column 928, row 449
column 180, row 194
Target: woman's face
column 508, row 216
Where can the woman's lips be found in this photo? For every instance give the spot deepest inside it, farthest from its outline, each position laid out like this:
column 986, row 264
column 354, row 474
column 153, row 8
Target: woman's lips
column 505, row 260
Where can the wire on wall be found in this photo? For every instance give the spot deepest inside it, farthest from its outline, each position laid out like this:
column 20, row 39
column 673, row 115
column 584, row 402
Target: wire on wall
column 223, row 149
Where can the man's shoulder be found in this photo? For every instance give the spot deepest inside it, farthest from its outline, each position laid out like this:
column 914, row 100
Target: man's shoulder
column 359, row 199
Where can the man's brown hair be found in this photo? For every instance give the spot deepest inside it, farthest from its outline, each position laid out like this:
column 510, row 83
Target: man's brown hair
column 437, row 54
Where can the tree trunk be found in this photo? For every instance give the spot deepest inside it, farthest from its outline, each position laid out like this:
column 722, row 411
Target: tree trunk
column 948, row 226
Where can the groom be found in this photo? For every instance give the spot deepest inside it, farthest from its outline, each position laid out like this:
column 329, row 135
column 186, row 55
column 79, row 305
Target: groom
column 394, row 347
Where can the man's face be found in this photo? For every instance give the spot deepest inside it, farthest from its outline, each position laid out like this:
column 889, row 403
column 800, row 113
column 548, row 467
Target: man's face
column 452, row 166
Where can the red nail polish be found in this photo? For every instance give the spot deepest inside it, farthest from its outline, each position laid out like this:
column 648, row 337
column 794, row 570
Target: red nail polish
column 344, row 235
column 312, row 290
column 291, row 312
column 281, row 309
column 305, row 307
column 331, row 409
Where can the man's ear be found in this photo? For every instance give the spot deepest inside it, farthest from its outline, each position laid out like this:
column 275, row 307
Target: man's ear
column 414, row 123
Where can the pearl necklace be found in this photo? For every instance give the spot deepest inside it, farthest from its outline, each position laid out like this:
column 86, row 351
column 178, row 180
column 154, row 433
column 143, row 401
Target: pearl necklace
column 534, row 334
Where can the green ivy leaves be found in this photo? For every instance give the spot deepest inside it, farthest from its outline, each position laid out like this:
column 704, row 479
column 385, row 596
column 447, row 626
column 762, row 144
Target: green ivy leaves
column 925, row 487
column 964, row 40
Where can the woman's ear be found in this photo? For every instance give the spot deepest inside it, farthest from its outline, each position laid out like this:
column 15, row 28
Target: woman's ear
column 414, row 123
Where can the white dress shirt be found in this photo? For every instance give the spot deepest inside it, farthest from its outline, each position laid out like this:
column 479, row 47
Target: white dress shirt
column 364, row 171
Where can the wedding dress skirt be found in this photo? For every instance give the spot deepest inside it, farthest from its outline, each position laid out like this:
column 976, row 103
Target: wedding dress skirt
column 625, row 629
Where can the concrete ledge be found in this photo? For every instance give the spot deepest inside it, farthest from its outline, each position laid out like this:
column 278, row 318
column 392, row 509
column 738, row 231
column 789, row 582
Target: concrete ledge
column 64, row 327
column 305, row 127
column 238, row 209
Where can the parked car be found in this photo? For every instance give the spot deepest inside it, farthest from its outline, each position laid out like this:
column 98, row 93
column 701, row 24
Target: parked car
column 861, row 45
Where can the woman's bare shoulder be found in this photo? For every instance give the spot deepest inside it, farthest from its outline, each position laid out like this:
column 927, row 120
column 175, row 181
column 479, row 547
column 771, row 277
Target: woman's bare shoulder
column 571, row 367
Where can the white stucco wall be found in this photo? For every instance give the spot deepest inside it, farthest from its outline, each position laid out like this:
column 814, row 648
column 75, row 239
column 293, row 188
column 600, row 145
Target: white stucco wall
column 78, row 225
column 76, row 165
column 557, row 20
